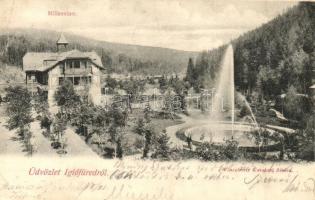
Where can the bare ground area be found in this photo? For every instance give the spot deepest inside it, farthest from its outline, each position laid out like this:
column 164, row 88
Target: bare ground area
column 76, row 146
column 10, row 144
column 8, row 141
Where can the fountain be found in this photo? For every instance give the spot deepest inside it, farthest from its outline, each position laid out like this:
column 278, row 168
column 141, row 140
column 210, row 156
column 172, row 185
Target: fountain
column 253, row 118
column 224, row 96
column 221, row 124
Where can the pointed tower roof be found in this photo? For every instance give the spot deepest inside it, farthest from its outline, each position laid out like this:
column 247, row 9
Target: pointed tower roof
column 62, row 39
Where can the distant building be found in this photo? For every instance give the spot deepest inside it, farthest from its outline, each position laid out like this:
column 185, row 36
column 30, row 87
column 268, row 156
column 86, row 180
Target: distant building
column 47, row 70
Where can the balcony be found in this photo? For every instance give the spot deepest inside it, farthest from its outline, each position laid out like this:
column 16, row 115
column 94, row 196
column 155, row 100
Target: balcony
column 77, row 71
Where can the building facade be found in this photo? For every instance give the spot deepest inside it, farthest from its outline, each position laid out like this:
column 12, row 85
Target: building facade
column 46, row 71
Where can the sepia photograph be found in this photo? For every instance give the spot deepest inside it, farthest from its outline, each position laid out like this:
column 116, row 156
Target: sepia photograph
column 224, row 84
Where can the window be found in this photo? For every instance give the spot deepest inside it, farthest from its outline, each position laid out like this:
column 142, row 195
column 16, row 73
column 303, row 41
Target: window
column 62, row 68
column 61, row 80
column 76, row 80
column 84, row 64
column 67, row 64
column 86, row 79
column 33, row 78
column 45, row 79
column 70, row 64
column 76, row 64
column 70, row 79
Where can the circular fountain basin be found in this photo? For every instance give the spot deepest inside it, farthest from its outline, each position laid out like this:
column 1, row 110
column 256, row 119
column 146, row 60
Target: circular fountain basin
column 219, row 132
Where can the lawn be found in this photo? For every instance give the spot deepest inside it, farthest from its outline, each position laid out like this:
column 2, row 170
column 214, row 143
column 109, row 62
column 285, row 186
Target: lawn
column 132, row 141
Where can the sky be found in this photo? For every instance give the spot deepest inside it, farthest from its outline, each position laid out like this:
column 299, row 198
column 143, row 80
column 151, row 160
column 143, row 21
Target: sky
column 191, row 25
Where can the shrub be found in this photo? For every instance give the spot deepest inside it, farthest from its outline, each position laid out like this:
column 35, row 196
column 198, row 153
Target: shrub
column 46, row 123
column 296, row 106
column 161, row 147
column 207, row 151
column 228, row 151
column 305, row 140
column 19, row 115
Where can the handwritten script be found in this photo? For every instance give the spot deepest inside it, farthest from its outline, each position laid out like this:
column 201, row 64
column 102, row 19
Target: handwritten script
column 142, row 180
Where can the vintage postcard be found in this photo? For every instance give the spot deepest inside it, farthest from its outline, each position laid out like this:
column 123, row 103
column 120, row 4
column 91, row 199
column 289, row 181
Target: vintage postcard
column 157, row 100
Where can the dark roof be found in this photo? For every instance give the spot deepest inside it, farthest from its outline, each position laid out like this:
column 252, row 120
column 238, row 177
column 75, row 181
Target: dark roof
column 42, row 61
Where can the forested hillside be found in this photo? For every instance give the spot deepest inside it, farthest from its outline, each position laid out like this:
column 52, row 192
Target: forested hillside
column 269, row 59
column 121, row 58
